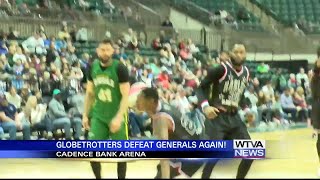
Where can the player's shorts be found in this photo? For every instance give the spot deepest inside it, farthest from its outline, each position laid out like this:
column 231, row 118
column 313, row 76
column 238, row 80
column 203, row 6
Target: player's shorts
column 226, row 126
column 315, row 114
column 99, row 130
column 181, row 167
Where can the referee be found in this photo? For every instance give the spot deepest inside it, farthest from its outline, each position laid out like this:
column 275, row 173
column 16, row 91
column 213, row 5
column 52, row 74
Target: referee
column 221, row 94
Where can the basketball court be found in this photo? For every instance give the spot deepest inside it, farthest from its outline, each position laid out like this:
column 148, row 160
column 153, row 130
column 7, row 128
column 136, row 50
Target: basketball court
column 292, row 154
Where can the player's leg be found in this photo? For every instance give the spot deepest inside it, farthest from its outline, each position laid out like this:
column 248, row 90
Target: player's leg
column 122, row 134
column 183, row 167
column 190, row 167
column 315, row 117
column 241, row 132
column 173, row 172
column 214, row 131
column 98, row 131
column 318, row 147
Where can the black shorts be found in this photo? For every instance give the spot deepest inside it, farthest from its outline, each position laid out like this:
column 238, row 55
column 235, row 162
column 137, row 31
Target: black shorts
column 181, row 167
column 315, row 115
column 226, row 126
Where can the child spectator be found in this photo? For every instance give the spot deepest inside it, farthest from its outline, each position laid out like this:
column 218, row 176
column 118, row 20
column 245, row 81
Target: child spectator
column 17, row 81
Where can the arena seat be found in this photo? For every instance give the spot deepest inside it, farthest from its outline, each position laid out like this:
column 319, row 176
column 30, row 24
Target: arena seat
column 289, row 11
column 232, row 7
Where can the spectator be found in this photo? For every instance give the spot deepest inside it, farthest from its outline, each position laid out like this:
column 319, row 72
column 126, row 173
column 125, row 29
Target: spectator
column 145, row 79
column 24, row 94
column 292, row 82
column 13, row 98
column 264, row 108
column 109, row 6
column 133, row 44
column 280, row 116
column 250, row 114
column 73, row 33
column 3, row 48
column 253, row 98
column 12, row 51
column 58, row 116
column 127, row 13
column 181, row 101
column 11, row 122
column 164, row 38
column 242, row 15
column 282, row 81
column 163, row 78
column 120, row 55
column 71, row 55
column 76, row 111
column 24, row 9
column 35, row 112
column 82, row 35
column 155, row 67
column 52, row 54
column 263, row 68
column 156, row 45
column 64, row 34
column 185, row 54
column 44, row 4
column 300, row 101
column 288, row 105
column 76, row 76
column 46, row 87
column 167, row 23
column 192, row 47
column 18, row 71
column 223, row 57
column 13, row 35
column 302, row 79
column 268, row 92
column 191, row 80
column 30, row 78
column 19, row 56
column 4, row 76
column 84, row 5
column 42, row 32
column 34, row 44
column 129, row 37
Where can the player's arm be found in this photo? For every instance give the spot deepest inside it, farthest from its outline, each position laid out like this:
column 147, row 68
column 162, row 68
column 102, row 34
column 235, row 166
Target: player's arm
column 123, row 76
column 213, row 76
column 202, row 92
column 161, row 132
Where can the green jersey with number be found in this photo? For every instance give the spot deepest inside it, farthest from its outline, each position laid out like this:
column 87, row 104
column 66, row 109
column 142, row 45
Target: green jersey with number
column 107, row 91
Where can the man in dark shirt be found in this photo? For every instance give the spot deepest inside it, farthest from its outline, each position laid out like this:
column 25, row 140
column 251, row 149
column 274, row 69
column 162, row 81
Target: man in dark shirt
column 10, row 122
column 167, row 23
column 221, row 103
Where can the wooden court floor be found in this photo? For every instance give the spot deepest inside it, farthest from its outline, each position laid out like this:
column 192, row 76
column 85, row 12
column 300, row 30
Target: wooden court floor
column 292, row 155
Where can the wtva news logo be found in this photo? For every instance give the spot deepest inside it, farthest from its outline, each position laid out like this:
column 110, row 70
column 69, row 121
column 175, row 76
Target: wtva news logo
column 249, row 149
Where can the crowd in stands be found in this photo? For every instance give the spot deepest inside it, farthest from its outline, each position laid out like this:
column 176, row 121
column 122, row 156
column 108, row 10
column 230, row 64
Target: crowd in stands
column 42, row 84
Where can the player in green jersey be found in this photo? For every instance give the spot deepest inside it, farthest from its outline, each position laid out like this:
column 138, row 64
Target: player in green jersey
column 107, row 102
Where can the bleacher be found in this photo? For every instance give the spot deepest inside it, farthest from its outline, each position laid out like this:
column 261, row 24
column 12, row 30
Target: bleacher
column 30, row 3
column 232, row 7
column 289, row 11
